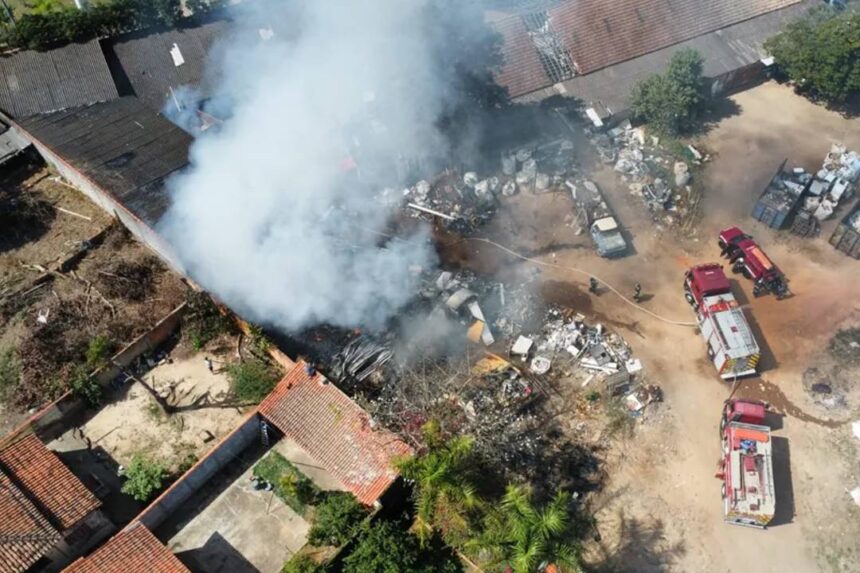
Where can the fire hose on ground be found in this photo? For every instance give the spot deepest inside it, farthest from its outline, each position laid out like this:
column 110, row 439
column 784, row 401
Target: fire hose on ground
column 585, row 273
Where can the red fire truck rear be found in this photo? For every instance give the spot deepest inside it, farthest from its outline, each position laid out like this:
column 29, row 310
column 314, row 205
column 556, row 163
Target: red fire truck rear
column 748, row 258
column 731, row 345
column 746, row 465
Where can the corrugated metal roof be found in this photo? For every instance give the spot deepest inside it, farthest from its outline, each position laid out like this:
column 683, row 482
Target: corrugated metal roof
column 336, row 432
column 133, row 550
column 38, row 82
column 144, row 58
column 614, row 50
column 123, row 146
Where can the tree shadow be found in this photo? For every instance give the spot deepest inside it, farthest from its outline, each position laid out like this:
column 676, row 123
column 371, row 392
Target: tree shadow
column 718, row 109
column 641, row 548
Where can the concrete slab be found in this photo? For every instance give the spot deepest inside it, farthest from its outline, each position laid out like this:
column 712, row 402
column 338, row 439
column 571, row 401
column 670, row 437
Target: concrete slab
column 308, row 466
column 242, row 529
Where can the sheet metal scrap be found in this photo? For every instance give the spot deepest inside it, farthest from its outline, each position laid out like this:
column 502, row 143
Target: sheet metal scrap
column 360, row 358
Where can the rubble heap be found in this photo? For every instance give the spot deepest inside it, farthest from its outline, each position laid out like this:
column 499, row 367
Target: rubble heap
column 464, row 203
column 651, row 171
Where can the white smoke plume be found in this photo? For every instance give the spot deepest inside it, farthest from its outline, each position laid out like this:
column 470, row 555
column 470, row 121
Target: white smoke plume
column 270, row 217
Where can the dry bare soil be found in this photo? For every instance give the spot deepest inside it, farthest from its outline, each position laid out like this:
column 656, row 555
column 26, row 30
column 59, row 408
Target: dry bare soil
column 660, row 509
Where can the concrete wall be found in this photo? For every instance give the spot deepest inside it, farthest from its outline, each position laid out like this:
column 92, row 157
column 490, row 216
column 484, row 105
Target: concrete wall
column 147, row 342
column 104, row 200
column 737, row 79
column 194, row 479
column 60, row 415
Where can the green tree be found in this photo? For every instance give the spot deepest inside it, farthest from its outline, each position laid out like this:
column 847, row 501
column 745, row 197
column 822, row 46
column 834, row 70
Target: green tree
column 337, row 519
column 444, row 493
column 672, row 102
column 821, row 53
column 86, row 386
column 144, row 477
column 98, row 352
column 251, row 380
column 386, row 548
column 525, row 537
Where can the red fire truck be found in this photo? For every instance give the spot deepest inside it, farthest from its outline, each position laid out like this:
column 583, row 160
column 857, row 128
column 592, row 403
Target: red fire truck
column 748, row 258
column 731, row 344
column 746, row 465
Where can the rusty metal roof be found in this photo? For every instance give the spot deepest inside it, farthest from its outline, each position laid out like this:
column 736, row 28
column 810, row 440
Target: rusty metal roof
column 598, row 34
column 336, row 432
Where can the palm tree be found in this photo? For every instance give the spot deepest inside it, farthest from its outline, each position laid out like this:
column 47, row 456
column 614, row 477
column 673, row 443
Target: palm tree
column 529, row 538
column 444, row 494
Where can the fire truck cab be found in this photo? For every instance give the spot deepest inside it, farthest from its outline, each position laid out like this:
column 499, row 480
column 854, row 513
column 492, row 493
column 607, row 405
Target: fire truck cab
column 746, row 465
column 731, row 345
column 748, row 259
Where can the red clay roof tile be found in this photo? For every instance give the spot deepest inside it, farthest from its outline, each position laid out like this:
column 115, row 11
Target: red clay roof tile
column 25, row 534
column 47, row 481
column 336, row 432
column 133, row 550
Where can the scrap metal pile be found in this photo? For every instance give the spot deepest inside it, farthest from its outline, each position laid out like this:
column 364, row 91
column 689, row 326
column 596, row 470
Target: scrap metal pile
column 833, row 183
column 464, row 203
column 651, row 171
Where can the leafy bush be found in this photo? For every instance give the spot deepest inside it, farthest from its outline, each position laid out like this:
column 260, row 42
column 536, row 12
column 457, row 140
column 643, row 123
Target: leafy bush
column 62, row 25
column 821, row 53
column 144, row 477
column 291, row 485
column 672, row 102
column 98, row 352
column 251, row 380
column 386, row 548
column 303, row 564
column 86, row 386
column 203, row 321
column 10, row 372
column 337, row 519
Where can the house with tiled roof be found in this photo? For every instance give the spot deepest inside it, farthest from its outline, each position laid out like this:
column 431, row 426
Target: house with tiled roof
column 133, row 550
column 47, row 516
column 336, row 432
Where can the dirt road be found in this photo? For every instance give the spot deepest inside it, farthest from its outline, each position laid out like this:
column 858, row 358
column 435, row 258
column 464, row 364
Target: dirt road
column 661, row 510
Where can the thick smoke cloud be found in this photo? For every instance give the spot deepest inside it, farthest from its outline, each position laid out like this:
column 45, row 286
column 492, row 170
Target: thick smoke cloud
column 272, row 216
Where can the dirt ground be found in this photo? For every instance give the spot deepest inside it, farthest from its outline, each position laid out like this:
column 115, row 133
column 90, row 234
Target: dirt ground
column 133, row 422
column 83, row 275
column 661, row 509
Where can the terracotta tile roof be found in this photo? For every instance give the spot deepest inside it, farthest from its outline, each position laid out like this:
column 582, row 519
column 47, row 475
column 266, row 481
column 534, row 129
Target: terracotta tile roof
column 133, row 550
column 598, row 34
column 49, row 483
column 25, row 534
column 335, row 431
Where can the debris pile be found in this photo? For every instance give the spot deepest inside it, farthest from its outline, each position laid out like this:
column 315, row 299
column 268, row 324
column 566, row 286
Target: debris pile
column 833, row 183
column 652, row 172
column 464, row 203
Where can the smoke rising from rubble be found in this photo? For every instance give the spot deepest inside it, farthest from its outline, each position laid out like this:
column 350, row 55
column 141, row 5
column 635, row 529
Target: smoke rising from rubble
column 271, row 217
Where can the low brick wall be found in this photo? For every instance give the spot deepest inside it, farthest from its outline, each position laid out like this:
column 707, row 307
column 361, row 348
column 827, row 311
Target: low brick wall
column 58, row 417
column 200, row 473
